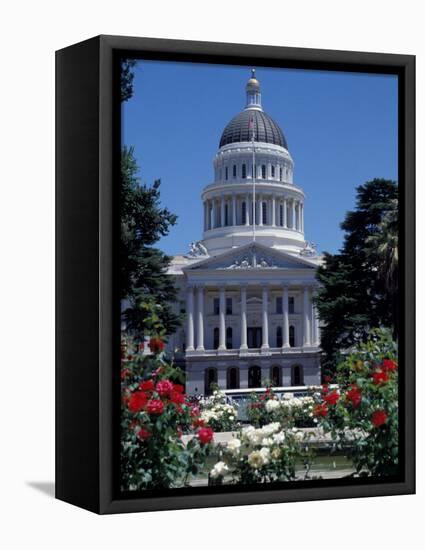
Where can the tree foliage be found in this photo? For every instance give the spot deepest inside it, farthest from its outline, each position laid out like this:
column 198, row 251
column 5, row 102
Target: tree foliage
column 355, row 294
column 127, row 78
column 143, row 268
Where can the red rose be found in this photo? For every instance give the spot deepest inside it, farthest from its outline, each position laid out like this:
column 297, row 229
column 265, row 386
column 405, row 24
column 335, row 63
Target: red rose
column 388, row 365
column 320, row 410
column 130, row 357
column 147, row 385
column 155, row 406
column 325, row 388
column 380, row 378
column 179, row 431
column 156, row 345
column 354, row 395
column 331, row 398
column 125, row 373
column 177, row 398
column 205, row 435
column 141, row 346
column 178, row 388
column 379, row 418
column 144, row 434
column 198, row 423
column 137, row 401
column 164, row 387
column 327, row 379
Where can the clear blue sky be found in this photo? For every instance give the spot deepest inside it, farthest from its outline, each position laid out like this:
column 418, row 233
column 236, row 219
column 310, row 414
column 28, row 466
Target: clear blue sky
column 341, row 130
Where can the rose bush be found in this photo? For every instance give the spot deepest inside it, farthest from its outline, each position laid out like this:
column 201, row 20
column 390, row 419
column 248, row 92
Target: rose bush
column 155, row 414
column 260, row 455
column 290, row 411
column 218, row 414
column 363, row 414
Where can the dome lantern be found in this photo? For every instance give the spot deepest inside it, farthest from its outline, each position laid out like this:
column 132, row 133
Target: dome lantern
column 253, row 93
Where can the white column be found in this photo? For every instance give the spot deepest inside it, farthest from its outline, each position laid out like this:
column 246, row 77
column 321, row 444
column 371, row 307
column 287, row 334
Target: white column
column 293, row 215
column 265, row 344
column 273, row 211
column 189, row 314
column 247, row 209
column 260, row 207
column 222, row 334
column 222, row 202
column 285, row 311
column 306, row 317
column 212, row 213
column 244, row 344
column 285, row 213
column 233, row 209
column 200, row 314
column 302, row 216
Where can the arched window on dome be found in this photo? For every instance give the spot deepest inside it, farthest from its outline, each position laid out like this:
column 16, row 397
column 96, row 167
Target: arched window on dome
column 263, row 171
column 264, row 212
column 226, row 173
column 234, row 171
column 243, row 213
column 244, row 171
column 273, row 171
column 226, row 214
column 281, row 215
column 292, row 336
column 281, row 173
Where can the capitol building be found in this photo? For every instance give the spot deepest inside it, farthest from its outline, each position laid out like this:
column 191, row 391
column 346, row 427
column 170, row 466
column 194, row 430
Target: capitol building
column 246, row 287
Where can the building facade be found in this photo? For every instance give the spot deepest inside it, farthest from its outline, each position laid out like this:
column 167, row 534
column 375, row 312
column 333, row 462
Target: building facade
column 246, row 288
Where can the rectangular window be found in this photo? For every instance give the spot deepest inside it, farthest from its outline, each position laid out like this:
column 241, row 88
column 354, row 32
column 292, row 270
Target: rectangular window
column 243, row 213
column 216, row 306
column 229, row 306
column 234, row 170
column 291, row 304
column 263, row 171
column 273, row 171
column 227, row 173
column 279, row 304
column 244, row 171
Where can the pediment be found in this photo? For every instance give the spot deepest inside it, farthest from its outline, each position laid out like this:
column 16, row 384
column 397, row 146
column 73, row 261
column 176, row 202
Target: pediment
column 253, row 257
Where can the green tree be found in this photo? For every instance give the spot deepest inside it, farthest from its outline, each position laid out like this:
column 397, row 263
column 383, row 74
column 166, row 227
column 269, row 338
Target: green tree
column 143, row 268
column 127, row 78
column 354, row 296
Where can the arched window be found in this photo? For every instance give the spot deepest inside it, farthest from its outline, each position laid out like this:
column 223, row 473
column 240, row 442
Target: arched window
column 227, row 173
column 281, row 214
column 229, row 338
column 244, row 213
column 275, row 376
column 297, row 376
column 263, row 171
column 273, row 171
column 233, row 378
column 216, row 337
column 234, row 170
column 226, row 214
column 281, row 173
column 254, row 377
column 292, row 336
column 210, row 380
column 264, row 208
column 243, row 171
column 279, row 340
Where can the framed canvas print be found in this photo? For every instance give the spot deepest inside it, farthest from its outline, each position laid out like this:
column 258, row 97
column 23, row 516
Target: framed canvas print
column 235, row 274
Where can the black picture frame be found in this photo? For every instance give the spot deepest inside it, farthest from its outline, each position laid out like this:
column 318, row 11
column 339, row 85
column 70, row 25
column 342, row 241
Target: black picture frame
column 86, row 313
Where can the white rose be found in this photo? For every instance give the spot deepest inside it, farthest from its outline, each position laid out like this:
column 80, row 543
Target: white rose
column 255, row 459
column 267, row 441
column 234, row 446
column 279, row 438
column 265, row 453
column 219, row 470
column 272, row 405
column 270, row 429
